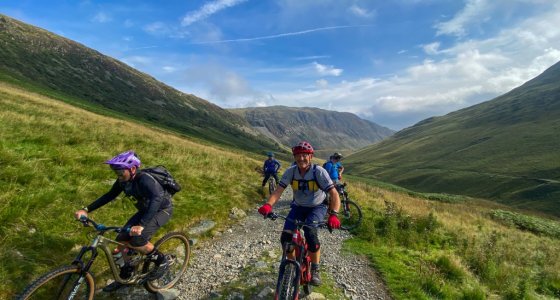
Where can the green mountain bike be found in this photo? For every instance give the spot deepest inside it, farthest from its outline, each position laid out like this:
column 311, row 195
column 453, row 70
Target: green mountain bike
column 75, row 281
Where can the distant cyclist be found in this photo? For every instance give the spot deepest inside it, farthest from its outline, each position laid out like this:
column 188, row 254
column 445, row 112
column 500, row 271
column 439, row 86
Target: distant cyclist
column 334, row 167
column 270, row 168
column 154, row 210
column 310, row 184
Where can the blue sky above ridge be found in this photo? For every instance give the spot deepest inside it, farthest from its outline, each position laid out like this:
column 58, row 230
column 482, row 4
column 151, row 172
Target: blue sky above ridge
column 393, row 62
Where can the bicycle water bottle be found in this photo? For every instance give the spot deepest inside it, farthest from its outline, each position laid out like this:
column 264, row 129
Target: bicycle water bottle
column 118, row 258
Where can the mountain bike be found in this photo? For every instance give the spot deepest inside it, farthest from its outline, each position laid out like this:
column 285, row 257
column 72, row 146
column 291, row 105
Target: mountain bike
column 294, row 273
column 75, row 281
column 350, row 213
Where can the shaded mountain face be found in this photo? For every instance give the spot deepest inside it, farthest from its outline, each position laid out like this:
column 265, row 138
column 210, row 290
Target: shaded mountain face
column 48, row 63
column 506, row 149
column 325, row 130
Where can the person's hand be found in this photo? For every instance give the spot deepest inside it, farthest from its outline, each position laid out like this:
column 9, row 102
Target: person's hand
column 136, row 230
column 78, row 214
column 333, row 222
column 265, row 209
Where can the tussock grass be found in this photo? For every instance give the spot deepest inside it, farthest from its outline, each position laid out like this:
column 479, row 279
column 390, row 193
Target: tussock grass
column 52, row 158
column 452, row 250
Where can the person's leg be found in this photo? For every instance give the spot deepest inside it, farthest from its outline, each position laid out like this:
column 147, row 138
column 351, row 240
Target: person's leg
column 266, row 176
column 316, row 215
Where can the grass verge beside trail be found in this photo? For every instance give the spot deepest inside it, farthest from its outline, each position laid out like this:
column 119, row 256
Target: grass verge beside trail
column 52, row 158
column 452, row 250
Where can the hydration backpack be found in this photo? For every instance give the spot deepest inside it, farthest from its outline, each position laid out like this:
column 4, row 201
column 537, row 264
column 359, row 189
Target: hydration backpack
column 164, row 178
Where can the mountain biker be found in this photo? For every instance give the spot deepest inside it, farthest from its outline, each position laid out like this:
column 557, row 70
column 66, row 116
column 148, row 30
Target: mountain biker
column 154, row 210
column 334, row 167
column 270, row 168
column 310, row 184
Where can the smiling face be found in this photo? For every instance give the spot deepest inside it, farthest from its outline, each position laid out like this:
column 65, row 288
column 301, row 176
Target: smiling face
column 303, row 160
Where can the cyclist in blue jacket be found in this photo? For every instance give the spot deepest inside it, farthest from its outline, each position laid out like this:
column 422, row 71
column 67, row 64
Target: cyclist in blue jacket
column 334, row 168
column 270, row 168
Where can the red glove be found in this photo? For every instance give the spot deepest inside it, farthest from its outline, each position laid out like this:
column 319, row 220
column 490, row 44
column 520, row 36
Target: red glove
column 333, row 222
column 266, row 209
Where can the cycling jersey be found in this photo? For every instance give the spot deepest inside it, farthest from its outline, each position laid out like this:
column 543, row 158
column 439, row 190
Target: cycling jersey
column 309, row 190
column 149, row 195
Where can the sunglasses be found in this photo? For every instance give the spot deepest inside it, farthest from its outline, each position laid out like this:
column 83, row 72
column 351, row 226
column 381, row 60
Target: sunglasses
column 119, row 172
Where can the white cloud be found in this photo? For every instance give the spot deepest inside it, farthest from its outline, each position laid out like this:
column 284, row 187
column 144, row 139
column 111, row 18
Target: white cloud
column 322, row 83
column 324, row 70
column 101, row 17
column 207, row 10
column 157, row 28
column 474, row 11
column 360, row 12
column 431, row 48
column 169, row 69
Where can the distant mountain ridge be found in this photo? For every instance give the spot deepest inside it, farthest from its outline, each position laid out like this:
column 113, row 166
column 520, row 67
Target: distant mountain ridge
column 326, row 130
column 48, row 63
column 506, row 149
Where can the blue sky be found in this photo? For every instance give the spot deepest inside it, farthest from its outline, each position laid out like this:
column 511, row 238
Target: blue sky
column 393, row 62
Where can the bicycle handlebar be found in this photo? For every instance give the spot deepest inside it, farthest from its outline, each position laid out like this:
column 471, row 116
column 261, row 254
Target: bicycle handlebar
column 100, row 227
column 273, row 216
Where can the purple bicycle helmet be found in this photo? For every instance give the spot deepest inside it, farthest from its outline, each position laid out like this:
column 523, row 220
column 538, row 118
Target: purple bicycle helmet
column 125, row 160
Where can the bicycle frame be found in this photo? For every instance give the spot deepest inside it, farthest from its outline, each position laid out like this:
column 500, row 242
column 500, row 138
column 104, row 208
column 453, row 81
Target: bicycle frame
column 302, row 260
column 103, row 243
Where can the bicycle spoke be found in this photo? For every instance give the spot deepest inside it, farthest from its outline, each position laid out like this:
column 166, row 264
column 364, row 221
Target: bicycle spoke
column 177, row 250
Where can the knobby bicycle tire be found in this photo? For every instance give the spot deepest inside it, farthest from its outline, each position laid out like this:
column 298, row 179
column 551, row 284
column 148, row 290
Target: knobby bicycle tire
column 350, row 215
column 59, row 284
column 271, row 185
column 175, row 245
column 288, row 288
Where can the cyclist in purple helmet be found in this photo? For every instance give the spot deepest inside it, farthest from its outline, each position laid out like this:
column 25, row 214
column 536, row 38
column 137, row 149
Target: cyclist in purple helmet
column 154, row 210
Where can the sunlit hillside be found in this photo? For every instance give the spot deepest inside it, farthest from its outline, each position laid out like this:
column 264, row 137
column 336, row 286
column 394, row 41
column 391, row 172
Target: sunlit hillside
column 52, row 158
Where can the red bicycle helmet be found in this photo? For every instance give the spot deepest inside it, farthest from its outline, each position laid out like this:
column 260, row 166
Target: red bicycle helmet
column 302, row 147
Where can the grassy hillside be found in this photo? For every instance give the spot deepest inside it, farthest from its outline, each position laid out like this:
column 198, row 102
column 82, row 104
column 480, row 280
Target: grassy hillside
column 52, row 158
column 328, row 131
column 455, row 248
column 505, row 149
column 55, row 66
column 51, row 155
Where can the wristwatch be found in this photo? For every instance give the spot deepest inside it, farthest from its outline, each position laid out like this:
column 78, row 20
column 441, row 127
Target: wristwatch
column 333, row 212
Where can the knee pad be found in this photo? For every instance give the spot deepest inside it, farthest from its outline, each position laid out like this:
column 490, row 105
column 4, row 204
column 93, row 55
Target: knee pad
column 313, row 244
column 285, row 237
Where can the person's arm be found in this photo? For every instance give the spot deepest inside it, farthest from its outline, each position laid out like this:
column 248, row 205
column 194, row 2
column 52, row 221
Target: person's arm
column 334, row 204
column 106, row 198
column 153, row 192
column 278, row 165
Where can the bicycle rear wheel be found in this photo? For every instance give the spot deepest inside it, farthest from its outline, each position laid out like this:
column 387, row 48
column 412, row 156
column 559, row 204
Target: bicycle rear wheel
column 175, row 245
column 287, row 287
column 350, row 215
column 61, row 283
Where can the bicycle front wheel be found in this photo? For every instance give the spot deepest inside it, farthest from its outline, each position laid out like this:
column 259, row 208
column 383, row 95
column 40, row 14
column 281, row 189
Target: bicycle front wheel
column 175, row 245
column 271, row 185
column 287, row 287
column 61, row 283
column 350, row 215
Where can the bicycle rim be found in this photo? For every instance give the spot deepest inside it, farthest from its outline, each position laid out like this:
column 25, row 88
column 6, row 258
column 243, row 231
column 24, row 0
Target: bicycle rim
column 350, row 216
column 287, row 289
column 61, row 283
column 175, row 245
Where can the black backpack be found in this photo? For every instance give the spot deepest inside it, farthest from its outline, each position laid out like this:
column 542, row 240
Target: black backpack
column 163, row 177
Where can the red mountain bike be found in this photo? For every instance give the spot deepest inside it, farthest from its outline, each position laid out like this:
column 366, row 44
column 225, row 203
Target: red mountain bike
column 294, row 273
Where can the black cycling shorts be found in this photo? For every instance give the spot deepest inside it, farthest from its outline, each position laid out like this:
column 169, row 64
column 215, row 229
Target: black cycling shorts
column 161, row 218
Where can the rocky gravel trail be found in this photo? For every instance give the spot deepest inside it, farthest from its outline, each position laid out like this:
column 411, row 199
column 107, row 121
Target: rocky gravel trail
column 246, row 256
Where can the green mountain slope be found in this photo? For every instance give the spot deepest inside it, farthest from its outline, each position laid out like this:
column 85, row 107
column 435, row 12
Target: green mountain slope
column 505, row 149
column 53, row 65
column 328, row 131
